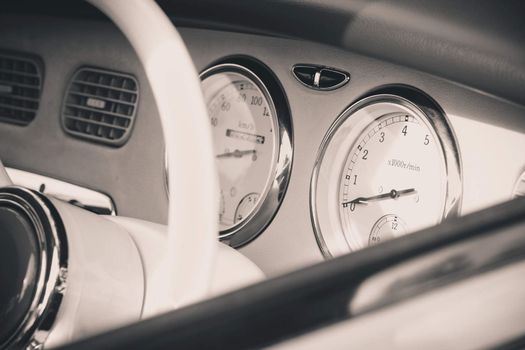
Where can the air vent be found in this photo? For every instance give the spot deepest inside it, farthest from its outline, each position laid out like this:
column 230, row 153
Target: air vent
column 20, row 86
column 100, row 105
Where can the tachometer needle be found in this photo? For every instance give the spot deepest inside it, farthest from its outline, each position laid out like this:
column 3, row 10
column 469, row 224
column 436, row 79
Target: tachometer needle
column 393, row 194
column 236, row 154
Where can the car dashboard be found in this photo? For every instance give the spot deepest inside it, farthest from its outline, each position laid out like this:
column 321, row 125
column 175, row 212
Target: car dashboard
column 287, row 215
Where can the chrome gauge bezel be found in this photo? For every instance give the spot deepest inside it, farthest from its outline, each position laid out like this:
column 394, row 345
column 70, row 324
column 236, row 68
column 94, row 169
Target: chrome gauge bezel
column 52, row 261
column 277, row 183
column 328, row 232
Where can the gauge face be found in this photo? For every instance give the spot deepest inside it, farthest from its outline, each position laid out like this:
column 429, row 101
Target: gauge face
column 395, row 167
column 383, row 172
column 246, row 139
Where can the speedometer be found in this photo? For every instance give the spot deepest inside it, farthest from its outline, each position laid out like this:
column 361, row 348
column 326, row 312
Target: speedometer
column 387, row 167
column 250, row 127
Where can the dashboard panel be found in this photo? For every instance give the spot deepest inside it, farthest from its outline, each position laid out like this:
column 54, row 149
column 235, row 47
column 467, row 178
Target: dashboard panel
column 490, row 131
column 490, row 169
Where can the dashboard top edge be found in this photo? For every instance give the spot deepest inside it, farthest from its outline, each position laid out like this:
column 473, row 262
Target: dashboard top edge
column 363, row 28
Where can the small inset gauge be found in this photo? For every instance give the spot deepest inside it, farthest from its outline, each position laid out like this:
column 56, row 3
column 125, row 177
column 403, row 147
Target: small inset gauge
column 387, row 227
column 246, row 206
column 251, row 134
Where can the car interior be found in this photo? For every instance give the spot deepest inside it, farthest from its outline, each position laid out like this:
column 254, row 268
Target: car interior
column 281, row 174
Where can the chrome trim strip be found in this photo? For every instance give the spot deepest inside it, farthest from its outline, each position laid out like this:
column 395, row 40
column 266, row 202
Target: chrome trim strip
column 88, row 199
column 53, row 262
column 317, row 77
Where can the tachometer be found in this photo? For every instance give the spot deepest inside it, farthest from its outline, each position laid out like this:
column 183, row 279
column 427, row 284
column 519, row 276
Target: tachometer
column 252, row 145
column 387, row 167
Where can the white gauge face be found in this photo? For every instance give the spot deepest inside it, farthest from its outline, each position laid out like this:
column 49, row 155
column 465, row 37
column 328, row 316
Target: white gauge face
column 245, row 134
column 394, row 168
column 382, row 173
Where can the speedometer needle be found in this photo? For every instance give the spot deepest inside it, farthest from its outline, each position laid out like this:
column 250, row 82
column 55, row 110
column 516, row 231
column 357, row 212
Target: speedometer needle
column 393, row 194
column 236, row 154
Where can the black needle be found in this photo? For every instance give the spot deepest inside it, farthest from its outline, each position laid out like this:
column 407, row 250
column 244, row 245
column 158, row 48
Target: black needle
column 236, row 154
column 393, row 194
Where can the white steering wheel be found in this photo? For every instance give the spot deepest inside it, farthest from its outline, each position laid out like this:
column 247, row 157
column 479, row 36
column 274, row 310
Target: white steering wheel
column 94, row 273
column 192, row 246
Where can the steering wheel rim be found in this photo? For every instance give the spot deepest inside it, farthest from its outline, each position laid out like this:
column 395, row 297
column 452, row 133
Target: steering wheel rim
column 185, row 274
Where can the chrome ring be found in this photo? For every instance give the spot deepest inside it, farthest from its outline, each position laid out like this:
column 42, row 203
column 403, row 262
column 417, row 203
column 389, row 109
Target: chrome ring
column 275, row 190
column 52, row 272
column 329, row 242
column 273, row 194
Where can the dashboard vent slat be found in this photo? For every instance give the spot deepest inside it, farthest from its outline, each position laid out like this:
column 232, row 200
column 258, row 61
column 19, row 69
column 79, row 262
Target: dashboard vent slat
column 20, row 88
column 100, row 105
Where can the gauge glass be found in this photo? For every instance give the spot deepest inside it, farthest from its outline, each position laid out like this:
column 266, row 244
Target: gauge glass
column 245, row 135
column 394, row 168
column 385, row 169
